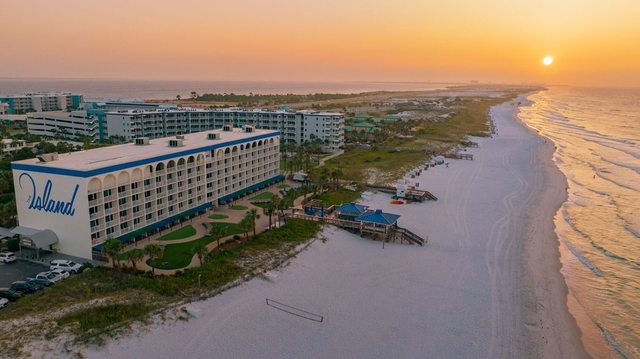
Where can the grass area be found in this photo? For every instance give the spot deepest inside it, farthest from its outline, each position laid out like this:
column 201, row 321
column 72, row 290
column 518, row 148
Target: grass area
column 342, row 195
column 218, row 216
column 181, row 233
column 260, row 204
column 239, row 208
column 356, row 163
column 263, row 195
column 283, row 186
column 179, row 255
column 104, row 317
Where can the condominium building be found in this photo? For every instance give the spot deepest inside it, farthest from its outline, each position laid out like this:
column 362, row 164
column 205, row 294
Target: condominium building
column 294, row 126
column 9, row 146
column 73, row 202
column 65, row 124
column 42, row 101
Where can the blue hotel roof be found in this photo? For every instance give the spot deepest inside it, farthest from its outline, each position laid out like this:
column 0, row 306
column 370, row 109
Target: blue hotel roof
column 378, row 217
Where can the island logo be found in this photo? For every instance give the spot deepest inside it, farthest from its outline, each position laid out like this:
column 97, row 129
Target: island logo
column 43, row 201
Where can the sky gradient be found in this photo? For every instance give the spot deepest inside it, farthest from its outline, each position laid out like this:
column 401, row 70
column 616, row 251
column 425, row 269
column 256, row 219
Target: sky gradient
column 593, row 42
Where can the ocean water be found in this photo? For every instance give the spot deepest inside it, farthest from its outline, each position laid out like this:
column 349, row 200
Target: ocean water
column 164, row 90
column 597, row 135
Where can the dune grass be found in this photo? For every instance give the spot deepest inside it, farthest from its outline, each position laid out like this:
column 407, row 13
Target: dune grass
column 355, row 163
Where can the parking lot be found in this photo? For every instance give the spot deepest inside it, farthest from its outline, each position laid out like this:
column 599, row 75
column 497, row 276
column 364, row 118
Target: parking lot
column 19, row 270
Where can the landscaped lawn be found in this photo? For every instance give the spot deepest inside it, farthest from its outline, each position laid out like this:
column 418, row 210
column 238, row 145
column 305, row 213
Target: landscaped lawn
column 263, row 195
column 218, row 216
column 239, row 208
column 179, row 255
column 283, row 186
column 260, row 204
column 181, row 233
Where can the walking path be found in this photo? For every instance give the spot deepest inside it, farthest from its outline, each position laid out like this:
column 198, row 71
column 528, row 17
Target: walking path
column 202, row 224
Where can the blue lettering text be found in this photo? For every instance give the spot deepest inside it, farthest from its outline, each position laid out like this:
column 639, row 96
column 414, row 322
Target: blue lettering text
column 44, row 202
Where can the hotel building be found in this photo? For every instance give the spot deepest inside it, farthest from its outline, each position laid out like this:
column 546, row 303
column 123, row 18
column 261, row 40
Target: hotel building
column 66, row 124
column 294, row 126
column 80, row 199
column 42, row 101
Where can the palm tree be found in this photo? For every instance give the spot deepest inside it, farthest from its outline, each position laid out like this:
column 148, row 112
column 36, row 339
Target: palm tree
column 271, row 208
column 253, row 216
column 200, row 249
column 245, row 227
column 217, row 232
column 283, row 205
column 154, row 251
column 134, row 256
column 112, row 248
column 336, row 174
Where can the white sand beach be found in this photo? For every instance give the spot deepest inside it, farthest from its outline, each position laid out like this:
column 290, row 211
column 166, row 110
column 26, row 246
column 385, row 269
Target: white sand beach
column 487, row 284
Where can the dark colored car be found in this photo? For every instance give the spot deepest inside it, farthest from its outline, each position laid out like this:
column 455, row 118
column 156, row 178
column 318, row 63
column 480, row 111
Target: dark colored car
column 10, row 294
column 26, row 287
column 42, row 282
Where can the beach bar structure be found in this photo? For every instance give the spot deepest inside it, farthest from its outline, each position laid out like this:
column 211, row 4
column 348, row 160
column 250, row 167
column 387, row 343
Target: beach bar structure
column 351, row 211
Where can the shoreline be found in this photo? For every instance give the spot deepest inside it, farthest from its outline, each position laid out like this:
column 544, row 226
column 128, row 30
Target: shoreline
column 488, row 283
column 551, row 326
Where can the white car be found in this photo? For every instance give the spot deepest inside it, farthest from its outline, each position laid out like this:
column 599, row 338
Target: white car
column 7, row 257
column 60, row 273
column 3, row 302
column 65, row 265
column 50, row 276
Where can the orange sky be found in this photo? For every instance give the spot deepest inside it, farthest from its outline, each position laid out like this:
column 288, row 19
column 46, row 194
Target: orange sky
column 593, row 42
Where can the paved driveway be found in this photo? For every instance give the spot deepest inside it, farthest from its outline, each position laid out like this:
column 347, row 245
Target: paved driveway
column 19, row 270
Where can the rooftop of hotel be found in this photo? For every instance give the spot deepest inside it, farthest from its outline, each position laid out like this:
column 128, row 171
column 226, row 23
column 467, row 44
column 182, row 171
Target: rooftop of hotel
column 157, row 149
column 224, row 110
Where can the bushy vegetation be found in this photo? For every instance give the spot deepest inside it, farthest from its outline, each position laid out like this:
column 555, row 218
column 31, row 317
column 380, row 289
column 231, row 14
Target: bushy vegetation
column 276, row 99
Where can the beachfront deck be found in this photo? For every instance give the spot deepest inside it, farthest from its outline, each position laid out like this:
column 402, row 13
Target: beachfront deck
column 393, row 234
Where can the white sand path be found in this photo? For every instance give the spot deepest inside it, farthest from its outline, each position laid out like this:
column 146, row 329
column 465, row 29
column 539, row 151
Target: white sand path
column 458, row 297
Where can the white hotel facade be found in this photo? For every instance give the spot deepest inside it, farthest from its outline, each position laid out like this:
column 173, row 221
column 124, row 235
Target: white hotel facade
column 130, row 190
column 294, row 126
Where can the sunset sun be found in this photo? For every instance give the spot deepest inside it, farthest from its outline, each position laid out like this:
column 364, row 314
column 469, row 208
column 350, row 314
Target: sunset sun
column 547, row 60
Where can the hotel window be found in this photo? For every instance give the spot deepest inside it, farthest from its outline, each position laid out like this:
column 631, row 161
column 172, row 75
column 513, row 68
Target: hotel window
column 93, row 197
column 147, row 182
column 158, row 179
column 136, row 221
column 136, row 209
column 147, row 194
column 170, row 208
column 108, row 218
column 134, row 185
column 108, row 205
column 149, row 216
column 124, row 225
column 123, row 213
column 93, row 210
column 122, row 189
column 159, row 190
column 135, row 197
column 159, row 202
column 148, row 205
column 122, row 201
column 95, row 222
column 160, row 212
column 106, row 193
column 110, row 230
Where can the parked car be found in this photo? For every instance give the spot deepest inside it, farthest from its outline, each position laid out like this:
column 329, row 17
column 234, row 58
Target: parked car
column 26, row 287
column 10, row 294
column 7, row 257
column 42, row 282
column 61, row 274
column 3, row 302
column 48, row 276
column 68, row 266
